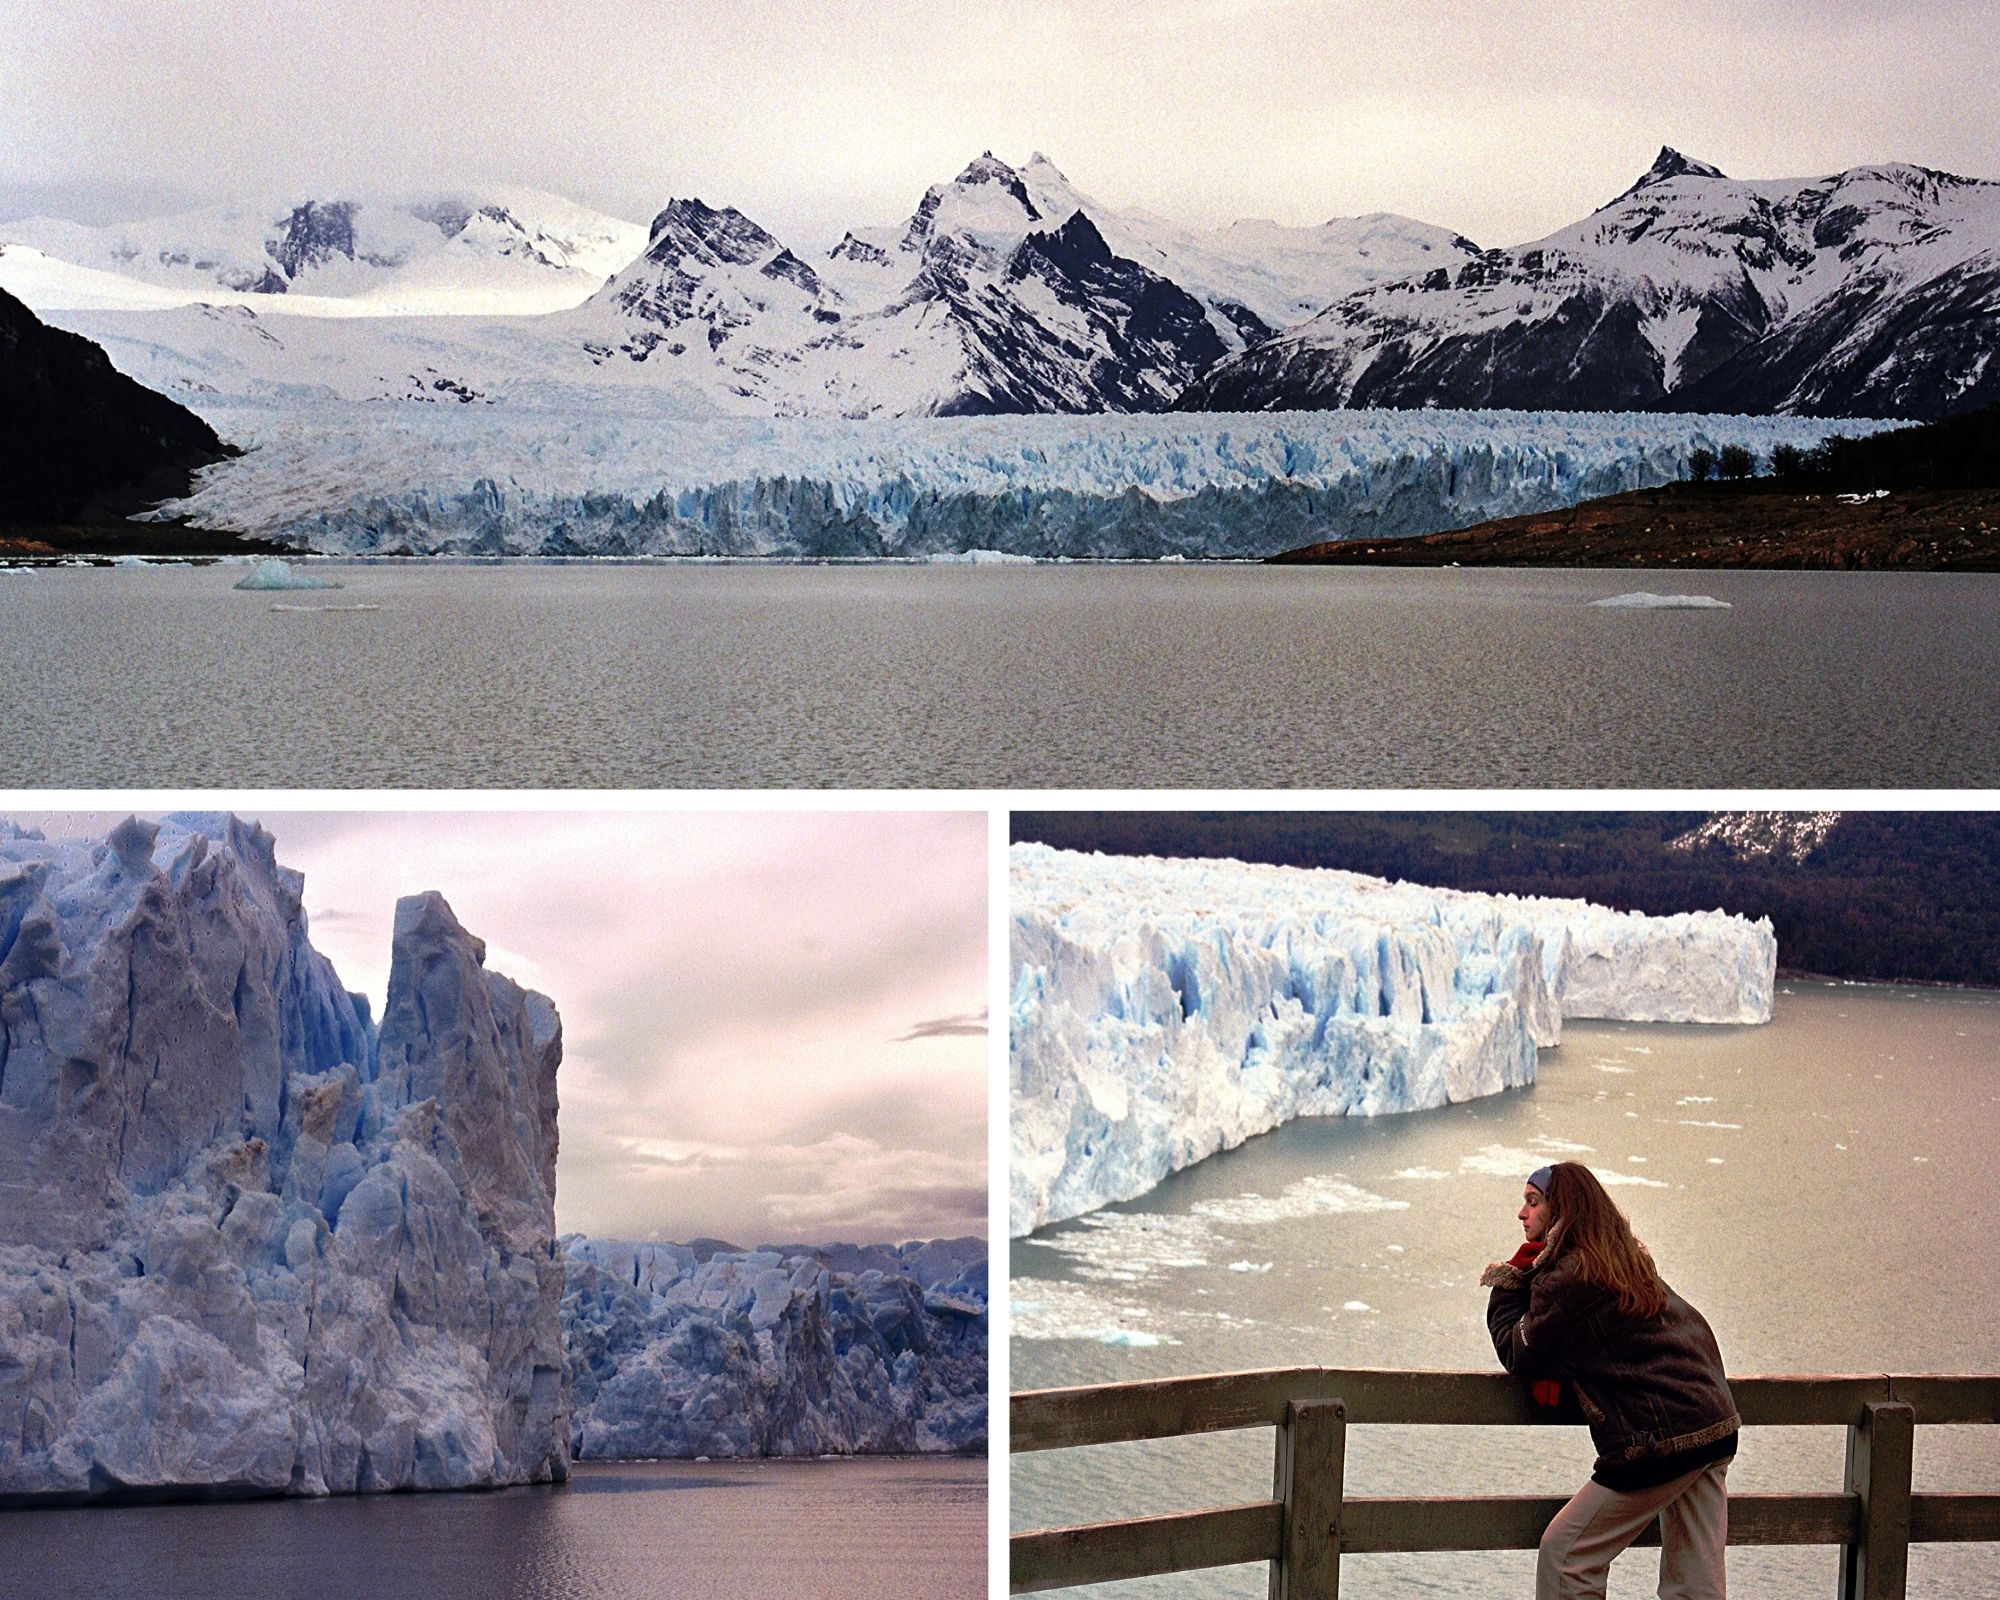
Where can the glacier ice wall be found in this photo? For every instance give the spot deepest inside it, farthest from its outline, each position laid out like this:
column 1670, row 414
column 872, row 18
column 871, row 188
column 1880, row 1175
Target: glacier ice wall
column 704, row 1350
column 621, row 480
column 251, row 1243
column 1164, row 1010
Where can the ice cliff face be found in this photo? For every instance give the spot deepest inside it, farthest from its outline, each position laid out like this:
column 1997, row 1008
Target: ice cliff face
column 600, row 480
column 705, row 1350
column 1164, row 1010
column 249, row 1242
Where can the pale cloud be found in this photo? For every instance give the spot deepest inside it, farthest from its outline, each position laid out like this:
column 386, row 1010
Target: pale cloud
column 736, row 992
column 1501, row 120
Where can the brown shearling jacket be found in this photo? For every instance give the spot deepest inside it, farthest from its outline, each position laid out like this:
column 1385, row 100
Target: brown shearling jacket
column 1648, row 1386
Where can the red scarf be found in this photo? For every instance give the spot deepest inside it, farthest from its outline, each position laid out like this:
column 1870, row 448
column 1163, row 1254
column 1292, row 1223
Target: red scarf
column 1525, row 1256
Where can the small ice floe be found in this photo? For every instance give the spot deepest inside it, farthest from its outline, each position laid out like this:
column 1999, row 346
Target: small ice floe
column 1250, row 1266
column 1642, row 600
column 362, row 606
column 1176, row 556
column 275, row 573
column 1129, row 1338
column 1715, row 1161
column 1356, row 1305
column 1696, row 1100
column 979, row 558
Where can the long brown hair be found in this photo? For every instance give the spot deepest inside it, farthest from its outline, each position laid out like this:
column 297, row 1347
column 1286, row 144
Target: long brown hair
column 1589, row 1226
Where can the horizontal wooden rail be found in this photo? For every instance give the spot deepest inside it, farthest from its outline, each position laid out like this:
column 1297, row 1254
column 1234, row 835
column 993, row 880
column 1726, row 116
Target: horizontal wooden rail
column 1310, row 1523
column 1055, row 1419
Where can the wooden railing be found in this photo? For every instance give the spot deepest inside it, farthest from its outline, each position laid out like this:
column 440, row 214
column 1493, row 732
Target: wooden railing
column 1310, row 1521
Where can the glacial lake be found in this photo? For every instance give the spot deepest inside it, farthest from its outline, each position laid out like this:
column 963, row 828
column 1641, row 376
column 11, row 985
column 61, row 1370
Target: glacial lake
column 706, row 674
column 870, row 1529
column 1823, row 1188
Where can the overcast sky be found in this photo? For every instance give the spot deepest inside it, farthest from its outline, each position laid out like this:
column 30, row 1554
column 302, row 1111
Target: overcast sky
column 773, row 1022
column 1500, row 119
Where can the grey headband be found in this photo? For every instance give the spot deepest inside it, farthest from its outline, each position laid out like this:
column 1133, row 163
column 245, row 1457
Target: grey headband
column 1540, row 1178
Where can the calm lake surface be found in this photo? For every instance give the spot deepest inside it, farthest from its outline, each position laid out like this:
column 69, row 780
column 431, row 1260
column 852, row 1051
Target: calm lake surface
column 1823, row 1188
column 891, row 1529
column 711, row 675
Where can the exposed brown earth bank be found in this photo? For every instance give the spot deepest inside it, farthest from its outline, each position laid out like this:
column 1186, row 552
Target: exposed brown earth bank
column 1712, row 525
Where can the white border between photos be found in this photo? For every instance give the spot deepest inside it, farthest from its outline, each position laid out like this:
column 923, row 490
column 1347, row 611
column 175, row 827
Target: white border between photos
column 998, row 806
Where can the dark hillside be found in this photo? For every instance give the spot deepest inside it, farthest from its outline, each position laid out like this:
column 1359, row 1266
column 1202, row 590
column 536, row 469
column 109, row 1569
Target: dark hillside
column 1891, row 895
column 81, row 443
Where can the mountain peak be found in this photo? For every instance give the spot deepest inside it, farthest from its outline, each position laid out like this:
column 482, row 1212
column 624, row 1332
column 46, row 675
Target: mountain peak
column 989, row 168
column 1670, row 163
column 727, row 235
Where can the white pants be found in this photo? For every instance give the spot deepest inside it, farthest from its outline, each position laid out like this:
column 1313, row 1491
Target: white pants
column 1598, row 1523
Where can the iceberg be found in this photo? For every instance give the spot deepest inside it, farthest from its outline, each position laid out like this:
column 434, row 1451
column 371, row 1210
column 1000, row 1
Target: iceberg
column 619, row 478
column 702, row 1350
column 252, row 1242
column 1162, row 1010
column 275, row 573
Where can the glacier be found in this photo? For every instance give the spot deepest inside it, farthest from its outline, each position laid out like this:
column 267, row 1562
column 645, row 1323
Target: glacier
column 625, row 476
column 252, row 1241
column 705, row 1350
column 1162, row 1010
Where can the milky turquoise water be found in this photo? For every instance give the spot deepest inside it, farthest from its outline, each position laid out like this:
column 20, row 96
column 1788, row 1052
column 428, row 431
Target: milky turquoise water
column 1823, row 1187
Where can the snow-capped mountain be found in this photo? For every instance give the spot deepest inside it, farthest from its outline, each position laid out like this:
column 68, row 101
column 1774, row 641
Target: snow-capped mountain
column 1005, row 291
column 511, row 250
column 1875, row 292
column 1760, row 835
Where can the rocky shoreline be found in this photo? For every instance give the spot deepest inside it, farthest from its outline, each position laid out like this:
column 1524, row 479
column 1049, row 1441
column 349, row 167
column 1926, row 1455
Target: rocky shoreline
column 1712, row 525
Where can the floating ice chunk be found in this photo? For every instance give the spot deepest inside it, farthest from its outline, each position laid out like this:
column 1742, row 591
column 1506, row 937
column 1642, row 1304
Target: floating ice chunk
column 1251, row 1266
column 274, row 573
column 363, row 606
column 1309, row 1197
column 979, row 558
column 1642, row 600
column 1129, row 1338
column 1356, row 1305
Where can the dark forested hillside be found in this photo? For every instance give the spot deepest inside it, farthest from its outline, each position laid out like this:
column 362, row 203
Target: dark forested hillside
column 1888, row 895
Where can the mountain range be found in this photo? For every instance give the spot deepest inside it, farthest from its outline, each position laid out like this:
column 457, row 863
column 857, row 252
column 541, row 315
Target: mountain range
column 1875, row 292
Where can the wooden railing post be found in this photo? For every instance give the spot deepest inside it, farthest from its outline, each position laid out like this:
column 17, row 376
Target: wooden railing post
column 1877, row 1565
column 1312, row 1461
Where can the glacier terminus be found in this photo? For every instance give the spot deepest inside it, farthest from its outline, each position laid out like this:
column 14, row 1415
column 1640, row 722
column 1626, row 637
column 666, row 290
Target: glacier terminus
column 1162, row 1010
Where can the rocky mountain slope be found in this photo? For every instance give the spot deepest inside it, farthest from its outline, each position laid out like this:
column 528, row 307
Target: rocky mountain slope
column 81, row 441
column 1007, row 290
column 1875, row 292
